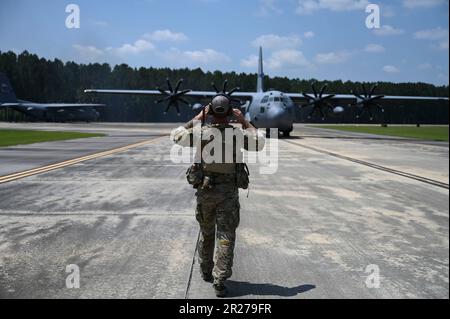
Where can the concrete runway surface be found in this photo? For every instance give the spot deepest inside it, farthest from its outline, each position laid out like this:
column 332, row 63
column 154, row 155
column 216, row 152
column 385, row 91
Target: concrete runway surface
column 339, row 205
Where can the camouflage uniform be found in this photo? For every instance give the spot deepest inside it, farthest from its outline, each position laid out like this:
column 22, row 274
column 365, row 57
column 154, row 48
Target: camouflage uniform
column 218, row 208
column 218, row 212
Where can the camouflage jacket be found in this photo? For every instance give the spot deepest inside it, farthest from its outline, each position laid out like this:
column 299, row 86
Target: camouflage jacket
column 221, row 144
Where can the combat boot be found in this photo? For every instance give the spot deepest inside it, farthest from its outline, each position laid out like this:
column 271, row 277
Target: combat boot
column 207, row 276
column 220, row 289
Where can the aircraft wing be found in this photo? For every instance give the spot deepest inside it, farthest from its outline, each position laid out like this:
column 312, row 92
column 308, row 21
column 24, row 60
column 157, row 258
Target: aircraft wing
column 386, row 97
column 199, row 94
column 429, row 98
column 63, row 105
column 367, row 100
column 251, row 94
column 50, row 105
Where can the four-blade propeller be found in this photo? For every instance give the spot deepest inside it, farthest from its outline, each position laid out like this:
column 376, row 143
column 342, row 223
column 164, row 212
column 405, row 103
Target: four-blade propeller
column 318, row 101
column 173, row 96
column 367, row 101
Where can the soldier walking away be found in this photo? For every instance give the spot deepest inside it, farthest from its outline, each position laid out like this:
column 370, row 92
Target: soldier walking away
column 217, row 184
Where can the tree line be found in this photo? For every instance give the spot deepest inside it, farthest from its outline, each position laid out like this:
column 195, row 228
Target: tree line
column 43, row 80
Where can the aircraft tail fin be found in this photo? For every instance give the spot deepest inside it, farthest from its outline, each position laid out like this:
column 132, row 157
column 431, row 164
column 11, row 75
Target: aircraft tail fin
column 260, row 82
column 7, row 94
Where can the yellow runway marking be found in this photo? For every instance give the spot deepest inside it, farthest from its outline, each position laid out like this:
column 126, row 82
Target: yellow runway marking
column 43, row 169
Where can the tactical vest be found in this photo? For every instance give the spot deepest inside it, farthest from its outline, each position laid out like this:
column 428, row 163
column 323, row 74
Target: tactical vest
column 227, row 164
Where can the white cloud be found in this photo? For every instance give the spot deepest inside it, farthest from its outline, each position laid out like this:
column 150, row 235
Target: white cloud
column 281, row 59
column 268, row 8
column 411, row 4
column 166, row 35
column 437, row 34
column 425, row 66
column 143, row 44
column 194, row 58
column 175, row 56
column 390, row 69
column 101, row 23
column 137, row 47
column 92, row 53
column 332, row 57
column 440, row 45
column 443, row 45
column 88, row 53
column 16, row 51
column 250, row 62
column 310, row 6
column 273, row 41
column 443, row 77
column 374, row 48
column 309, row 34
column 431, row 34
column 287, row 58
column 388, row 11
column 388, row 30
column 206, row 56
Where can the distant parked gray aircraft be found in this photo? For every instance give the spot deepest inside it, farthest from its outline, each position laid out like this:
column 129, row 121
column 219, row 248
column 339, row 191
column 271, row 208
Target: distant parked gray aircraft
column 275, row 109
column 57, row 112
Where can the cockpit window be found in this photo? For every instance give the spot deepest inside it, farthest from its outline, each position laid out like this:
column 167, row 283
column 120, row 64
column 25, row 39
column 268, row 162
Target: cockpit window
column 271, row 99
column 277, row 99
column 265, row 99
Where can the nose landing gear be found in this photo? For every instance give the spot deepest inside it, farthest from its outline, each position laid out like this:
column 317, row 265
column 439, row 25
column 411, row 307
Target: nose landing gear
column 284, row 133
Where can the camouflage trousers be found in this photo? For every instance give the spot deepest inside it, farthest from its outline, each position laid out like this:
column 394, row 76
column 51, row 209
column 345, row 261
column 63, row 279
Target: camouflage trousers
column 218, row 215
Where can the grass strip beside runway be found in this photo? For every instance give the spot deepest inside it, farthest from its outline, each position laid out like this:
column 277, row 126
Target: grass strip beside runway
column 433, row 133
column 18, row 137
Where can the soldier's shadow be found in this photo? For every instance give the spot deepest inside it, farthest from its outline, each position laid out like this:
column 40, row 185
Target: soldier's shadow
column 240, row 289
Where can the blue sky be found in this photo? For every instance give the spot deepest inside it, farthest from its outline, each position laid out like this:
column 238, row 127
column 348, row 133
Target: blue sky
column 324, row 39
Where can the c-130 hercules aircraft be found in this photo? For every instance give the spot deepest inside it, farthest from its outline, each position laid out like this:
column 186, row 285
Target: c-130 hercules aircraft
column 60, row 112
column 272, row 109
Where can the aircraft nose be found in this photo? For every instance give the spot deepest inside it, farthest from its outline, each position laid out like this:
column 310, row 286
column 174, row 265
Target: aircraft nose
column 280, row 117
